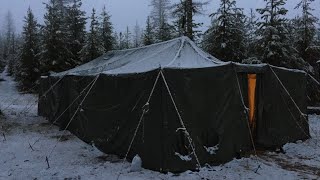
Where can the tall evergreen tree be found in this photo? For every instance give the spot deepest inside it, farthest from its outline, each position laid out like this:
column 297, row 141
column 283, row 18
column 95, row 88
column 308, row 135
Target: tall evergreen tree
column 274, row 46
column 29, row 71
column 251, row 37
column 10, row 46
column 137, row 36
column 121, row 41
column 94, row 46
column 75, row 39
column 127, row 39
column 306, row 31
column 225, row 39
column 184, row 13
column 148, row 36
column 106, row 30
column 2, row 62
column 160, row 19
column 54, row 46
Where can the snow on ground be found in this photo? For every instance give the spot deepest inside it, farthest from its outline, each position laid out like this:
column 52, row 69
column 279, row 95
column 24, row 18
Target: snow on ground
column 73, row 159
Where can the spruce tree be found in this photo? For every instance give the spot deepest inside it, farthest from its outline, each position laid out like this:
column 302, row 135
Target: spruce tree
column 305, row 33
column 29, row 71
column 127, row 39
column 106, row 31
column 94, row 46
column 225, row 39
column 137, row 36
column 2, row 63
column 54, row 47
column 273, row 47
column 148, row 36
column 250, row 35
column 184, row 13
column 160, row 20
column 75, row 40
column 121, row 41
column 10, row 44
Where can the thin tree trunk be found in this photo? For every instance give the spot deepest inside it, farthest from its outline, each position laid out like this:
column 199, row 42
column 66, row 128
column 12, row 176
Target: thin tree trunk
column 189, row 19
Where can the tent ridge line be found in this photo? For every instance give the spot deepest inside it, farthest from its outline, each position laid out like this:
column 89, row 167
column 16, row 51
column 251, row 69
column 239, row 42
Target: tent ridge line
column 178, row 52
column 201, row 53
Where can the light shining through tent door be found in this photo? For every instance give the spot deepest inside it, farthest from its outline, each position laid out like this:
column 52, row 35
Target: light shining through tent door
column 252, row 84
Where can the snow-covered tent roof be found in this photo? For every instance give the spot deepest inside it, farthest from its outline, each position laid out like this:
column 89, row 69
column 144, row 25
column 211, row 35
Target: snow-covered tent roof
column 179, row 53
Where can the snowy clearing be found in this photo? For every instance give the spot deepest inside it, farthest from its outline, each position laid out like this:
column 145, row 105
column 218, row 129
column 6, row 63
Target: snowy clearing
column 73, row 159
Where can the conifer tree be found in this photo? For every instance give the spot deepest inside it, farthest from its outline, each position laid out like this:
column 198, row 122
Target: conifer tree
column 137, row 36
column 106, row 31
column 54, row 47
column 10, row 43
column 184, row 13
column 148, row 36
column 121, row 41
column 127, row 39
column 225, row 39
column 29, row 71
column 94, row 46
column 273, row 47
column 305, row 33
column 160, row 20
column 250, row 35
column 2, row 63
column 76, row 22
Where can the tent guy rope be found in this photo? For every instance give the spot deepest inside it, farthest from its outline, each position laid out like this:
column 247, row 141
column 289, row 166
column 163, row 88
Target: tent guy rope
column 181, row 121
column 80, row 94
column 295, row 104
column 145, row 109
column 73, row 116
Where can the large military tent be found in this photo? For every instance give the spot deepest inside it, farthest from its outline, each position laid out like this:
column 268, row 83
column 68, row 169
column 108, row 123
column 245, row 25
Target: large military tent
column 176, row 106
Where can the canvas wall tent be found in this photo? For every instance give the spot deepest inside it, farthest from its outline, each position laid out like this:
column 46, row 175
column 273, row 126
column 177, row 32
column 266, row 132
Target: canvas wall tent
column 184, row 95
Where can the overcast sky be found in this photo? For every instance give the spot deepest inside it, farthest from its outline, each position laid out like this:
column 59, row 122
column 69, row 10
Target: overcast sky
column 124, row 12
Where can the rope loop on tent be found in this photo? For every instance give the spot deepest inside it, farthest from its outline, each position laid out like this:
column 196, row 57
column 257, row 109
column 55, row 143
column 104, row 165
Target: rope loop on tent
column 181, row 121
column 145, row 108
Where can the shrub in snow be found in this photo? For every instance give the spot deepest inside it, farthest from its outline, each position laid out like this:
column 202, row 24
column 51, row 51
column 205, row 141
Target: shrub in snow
column 136, row 164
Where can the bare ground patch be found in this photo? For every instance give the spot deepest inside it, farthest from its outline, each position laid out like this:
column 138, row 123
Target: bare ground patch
column 287, row 163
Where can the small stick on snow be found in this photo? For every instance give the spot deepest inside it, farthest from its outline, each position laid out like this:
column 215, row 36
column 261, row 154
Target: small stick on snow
column 257, row 169
column 4, row 137
column 31, row 147
column 47, row 160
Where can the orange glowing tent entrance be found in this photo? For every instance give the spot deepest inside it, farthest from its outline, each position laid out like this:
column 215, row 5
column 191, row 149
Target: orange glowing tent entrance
column 252, row 83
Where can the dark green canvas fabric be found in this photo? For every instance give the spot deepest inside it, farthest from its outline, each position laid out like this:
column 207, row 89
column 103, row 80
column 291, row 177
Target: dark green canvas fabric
column 208, row 100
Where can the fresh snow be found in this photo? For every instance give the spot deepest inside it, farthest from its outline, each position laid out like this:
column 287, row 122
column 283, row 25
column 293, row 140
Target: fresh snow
column 182, row 157
column 136, row 164
column 179, row 53
column 212, row 150
column 74, row 159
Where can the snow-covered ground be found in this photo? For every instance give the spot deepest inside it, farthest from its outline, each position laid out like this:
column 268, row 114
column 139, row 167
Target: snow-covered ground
column 22, row 158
